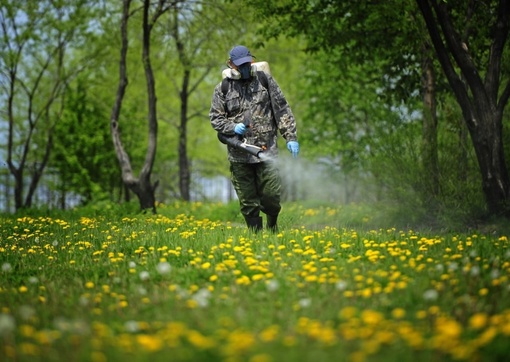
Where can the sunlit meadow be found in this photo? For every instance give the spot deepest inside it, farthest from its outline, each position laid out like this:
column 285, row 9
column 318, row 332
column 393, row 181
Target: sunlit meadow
column 189, row 285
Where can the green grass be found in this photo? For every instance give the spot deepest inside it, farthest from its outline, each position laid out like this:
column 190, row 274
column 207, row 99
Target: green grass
column 191, row 283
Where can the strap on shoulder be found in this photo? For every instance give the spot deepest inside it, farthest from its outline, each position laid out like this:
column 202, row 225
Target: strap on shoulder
column 224, row 86
column 262, row 77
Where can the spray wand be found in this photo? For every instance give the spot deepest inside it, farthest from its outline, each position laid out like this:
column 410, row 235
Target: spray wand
column 239, row 142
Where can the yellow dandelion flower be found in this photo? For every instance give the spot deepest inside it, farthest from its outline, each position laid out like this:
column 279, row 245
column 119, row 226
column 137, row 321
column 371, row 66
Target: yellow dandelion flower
column 347, row 312
column 29, row 349
column 421, row 314
column 270, row 333
column 149, row 343
column 191, row 303
column 478, row 321
column 447, row 327
column 348, row 294
column 487, row 336
column 199, row 340
column 483, row 292
column 371, row 317
column 243, row 280
column 398, row 313
column 27, row 330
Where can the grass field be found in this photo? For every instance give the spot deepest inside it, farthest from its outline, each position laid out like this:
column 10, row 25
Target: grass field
column 192, row 284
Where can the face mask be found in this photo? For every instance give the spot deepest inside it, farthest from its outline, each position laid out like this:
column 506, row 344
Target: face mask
column 245, row 70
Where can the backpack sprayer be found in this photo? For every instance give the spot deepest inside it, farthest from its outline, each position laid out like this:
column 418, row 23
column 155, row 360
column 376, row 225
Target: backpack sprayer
column 237, row 141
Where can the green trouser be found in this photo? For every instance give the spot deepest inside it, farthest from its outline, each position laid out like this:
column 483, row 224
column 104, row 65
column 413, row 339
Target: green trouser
column 258, row 187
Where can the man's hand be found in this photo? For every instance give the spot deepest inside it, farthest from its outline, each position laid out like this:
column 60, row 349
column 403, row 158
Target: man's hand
column 240, row 129
column 293, row 147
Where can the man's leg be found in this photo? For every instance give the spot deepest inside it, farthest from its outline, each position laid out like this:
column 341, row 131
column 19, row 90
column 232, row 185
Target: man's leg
column 269, row 188
column 243, row 177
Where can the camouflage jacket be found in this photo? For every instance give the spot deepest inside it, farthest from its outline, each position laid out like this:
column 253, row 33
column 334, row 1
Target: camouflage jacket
column 266, row 111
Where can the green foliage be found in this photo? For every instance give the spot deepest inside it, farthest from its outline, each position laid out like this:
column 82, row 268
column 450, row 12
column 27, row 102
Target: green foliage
column 365, row 71
column 350, row 70
column 83, row 155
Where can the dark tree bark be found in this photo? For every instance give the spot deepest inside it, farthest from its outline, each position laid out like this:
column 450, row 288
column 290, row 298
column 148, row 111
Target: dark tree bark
column 482, row 110
column 141, row 185
column 184, row 169
column 429, row 129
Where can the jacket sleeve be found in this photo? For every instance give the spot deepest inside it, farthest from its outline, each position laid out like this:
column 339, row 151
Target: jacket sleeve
column 218, row 113
column 283, row 115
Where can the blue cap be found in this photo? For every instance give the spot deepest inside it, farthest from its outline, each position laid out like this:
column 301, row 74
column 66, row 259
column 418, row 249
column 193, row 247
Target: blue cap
column 240, row 55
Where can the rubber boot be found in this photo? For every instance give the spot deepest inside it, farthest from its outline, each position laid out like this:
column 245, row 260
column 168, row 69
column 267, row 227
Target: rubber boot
column 272, row 223
column 254, row 223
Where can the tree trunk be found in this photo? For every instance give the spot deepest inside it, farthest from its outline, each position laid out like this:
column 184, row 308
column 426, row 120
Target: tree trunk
column 18, row 187
column 141, row 186
column 184, row 171
column 486, row 134
column 481, row 109
column 430, row 160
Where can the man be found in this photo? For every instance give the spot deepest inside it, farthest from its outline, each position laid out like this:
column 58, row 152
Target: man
column 249, row 104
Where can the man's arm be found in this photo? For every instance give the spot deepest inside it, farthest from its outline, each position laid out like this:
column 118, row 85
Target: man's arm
column 283, row 115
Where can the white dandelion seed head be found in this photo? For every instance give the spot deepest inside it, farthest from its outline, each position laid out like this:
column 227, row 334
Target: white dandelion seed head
column 163, row 268
column 33, row 280
column 474, row 271
column 131, row 326
column 305, row 302
column 144, row 275
column 26, row 312
column 272, row 285
column 84, row 301
column 132, row 264
column 495, row 274
column 453, row 266
column 430, row 295
column 142, row 291
column 62, row 324
column 440, row 268
column 202, row 297
column 54, row 243
column 6, row 267
column 341, row 285
column 7, row 324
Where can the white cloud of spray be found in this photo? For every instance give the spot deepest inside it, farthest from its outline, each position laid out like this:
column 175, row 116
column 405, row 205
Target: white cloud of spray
column 321, row 180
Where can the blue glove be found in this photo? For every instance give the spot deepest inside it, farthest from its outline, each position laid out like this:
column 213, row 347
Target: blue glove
column 240, row 129
column 293, row 147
